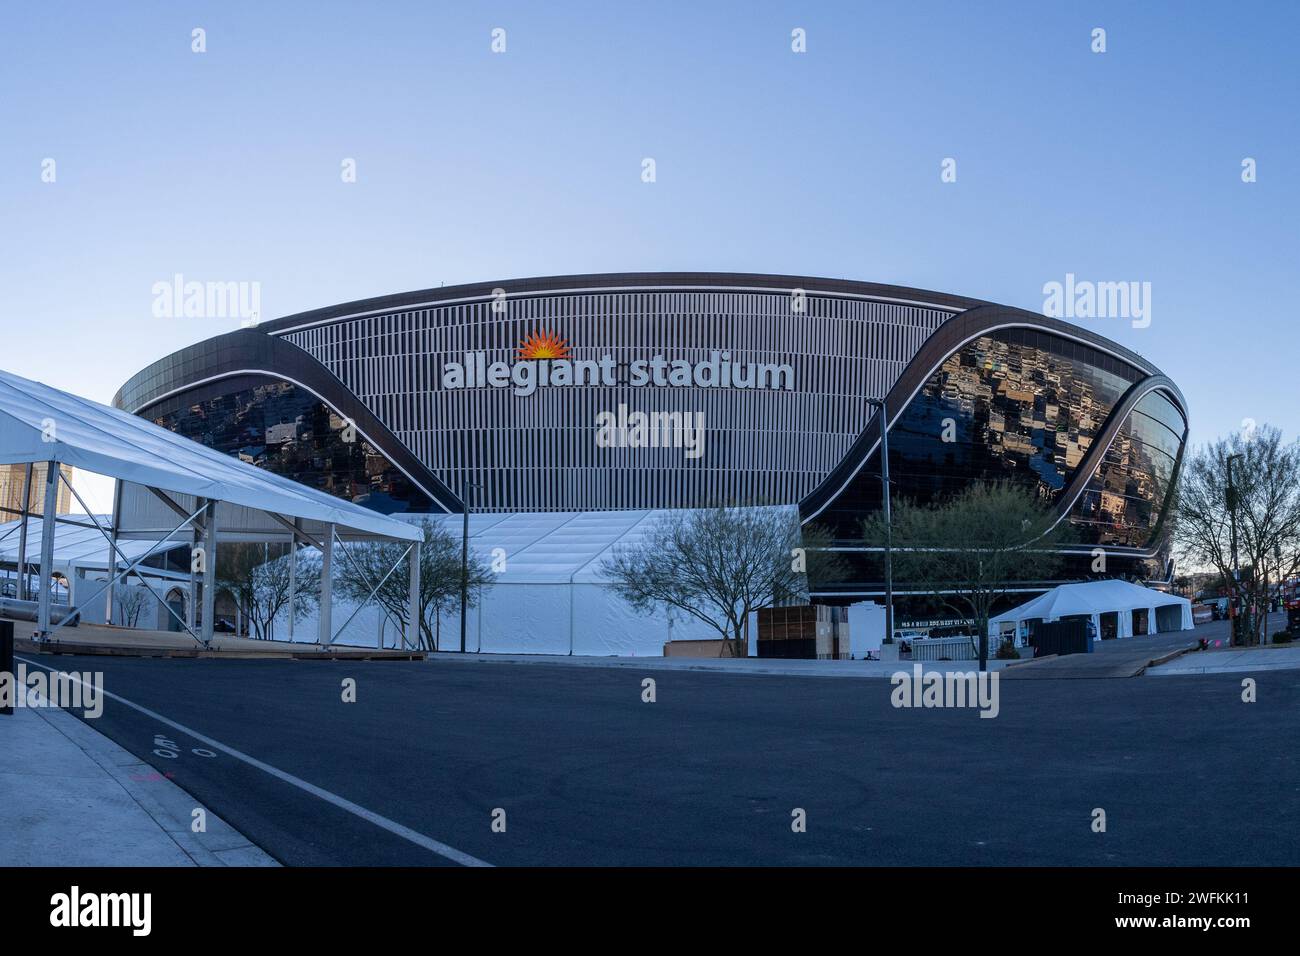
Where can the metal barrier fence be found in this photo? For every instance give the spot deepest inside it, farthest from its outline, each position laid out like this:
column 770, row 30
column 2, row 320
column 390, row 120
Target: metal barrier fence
column 944, row 649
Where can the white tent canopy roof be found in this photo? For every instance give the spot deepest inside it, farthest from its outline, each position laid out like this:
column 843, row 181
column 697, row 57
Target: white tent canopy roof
column 1089, row 598
column 555, row 547
column 76, row 546
column 40, row 423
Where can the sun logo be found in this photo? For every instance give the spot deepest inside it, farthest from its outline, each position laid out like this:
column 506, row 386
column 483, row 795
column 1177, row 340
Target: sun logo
column 543, row 345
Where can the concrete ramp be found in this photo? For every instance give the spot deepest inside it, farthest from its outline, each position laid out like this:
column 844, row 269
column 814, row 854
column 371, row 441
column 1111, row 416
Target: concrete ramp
column 1127, row 657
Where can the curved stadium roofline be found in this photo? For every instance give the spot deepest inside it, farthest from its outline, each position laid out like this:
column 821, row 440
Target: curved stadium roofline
column 903, row 333
column 611, row 281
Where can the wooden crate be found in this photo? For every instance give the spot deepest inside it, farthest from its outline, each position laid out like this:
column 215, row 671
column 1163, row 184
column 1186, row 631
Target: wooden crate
column 796, row 631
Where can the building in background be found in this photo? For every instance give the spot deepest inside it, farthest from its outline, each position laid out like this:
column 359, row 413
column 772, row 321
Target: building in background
column 13, row 478
column 495, row 393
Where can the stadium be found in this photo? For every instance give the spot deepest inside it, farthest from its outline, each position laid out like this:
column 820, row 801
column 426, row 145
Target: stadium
column 495, row 396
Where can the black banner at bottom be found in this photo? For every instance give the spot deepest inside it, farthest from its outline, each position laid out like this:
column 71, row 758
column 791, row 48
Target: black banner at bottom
column 333, row 905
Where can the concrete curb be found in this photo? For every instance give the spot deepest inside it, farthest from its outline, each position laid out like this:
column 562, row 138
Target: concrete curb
column 1032, row 660
column 308, row 653
column 1165, row 658
column 861, row 670
column 1247, row 669
column 169, row 806
column 1237, row 660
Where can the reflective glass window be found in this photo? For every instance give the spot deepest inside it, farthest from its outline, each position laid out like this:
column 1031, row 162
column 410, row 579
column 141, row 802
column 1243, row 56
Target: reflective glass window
column 287, row 430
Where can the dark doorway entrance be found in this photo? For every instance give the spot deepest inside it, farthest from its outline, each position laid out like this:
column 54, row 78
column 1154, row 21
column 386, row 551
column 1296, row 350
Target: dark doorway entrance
column 1169, row 618
column 1140, row 615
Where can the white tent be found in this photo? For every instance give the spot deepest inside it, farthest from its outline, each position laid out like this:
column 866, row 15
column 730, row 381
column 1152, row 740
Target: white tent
column 1093, row 599
column 549, row 595
column 161, row 476
column 81, row 559
column 78, row 545
column 40, row 423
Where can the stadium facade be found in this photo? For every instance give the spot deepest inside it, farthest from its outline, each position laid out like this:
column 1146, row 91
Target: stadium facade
column 500, row 392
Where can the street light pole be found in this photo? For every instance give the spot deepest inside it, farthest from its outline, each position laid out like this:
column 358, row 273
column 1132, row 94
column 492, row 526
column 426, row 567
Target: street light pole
column 465, row 486
column 889, row 530
column 1237, row 630
column 464, row 558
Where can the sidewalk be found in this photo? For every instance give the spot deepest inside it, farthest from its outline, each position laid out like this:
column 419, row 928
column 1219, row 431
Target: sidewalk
column 72, row 797
column 728, row 665
column 1232, row 661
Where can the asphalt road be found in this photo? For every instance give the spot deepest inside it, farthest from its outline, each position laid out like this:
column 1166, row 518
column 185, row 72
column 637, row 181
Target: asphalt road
column 587, row 773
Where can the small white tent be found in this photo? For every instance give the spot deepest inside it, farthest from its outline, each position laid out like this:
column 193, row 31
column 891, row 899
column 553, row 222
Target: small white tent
column 1093, row 599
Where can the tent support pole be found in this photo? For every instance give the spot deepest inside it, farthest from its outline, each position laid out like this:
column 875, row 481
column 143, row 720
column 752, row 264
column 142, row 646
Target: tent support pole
column 324, row 633
column 413, row 612
column 47, row 546
column 293, row 574
column 20, row 589
column 209, row 571
column 196, row 538
column 114, row 520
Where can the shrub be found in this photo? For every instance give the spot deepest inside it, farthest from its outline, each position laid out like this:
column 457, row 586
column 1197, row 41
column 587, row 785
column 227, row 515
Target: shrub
column 1007, row 652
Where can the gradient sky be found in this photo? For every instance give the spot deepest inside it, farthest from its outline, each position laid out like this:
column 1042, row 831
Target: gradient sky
column 225, row 166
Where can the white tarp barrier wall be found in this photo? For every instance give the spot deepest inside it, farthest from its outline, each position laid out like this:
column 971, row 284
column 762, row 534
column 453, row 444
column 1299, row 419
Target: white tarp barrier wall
column 550, row 597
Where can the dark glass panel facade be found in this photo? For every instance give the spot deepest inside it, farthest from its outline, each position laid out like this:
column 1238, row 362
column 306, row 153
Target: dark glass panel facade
column 287, row 430
column 1125, row 496
column 865, row 574
column 1017, row 404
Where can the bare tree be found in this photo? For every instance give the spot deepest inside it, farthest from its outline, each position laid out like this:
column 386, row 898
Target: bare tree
column 720, row 564
column 367, row 566
column 257, row 578
column 130, row 601
column 970, row 550
column 1266, row 487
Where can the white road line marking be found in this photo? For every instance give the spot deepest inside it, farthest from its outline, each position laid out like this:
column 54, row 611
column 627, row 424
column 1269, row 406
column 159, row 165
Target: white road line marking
column 392, row 826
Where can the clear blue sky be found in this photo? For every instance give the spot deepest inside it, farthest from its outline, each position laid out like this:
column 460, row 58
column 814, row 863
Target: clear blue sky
column 225, row 165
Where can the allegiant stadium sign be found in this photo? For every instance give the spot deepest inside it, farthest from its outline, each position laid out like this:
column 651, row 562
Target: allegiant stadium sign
column 544, row 362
